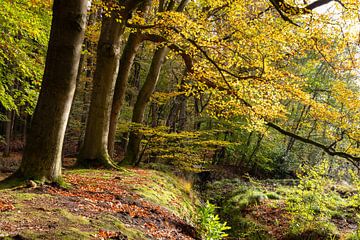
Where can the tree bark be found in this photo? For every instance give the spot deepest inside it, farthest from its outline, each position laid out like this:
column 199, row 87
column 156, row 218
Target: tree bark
column 135, row 84
column 42, row 153
column 85, row 98
column 94, row 151
column 133, row 148
column 126, row 63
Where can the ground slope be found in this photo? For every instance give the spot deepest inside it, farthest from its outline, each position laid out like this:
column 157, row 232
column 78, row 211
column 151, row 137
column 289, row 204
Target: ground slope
column 101, row 204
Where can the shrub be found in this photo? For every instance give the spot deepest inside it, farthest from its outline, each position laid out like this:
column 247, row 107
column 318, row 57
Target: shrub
column 312, row 205
column 210, row 225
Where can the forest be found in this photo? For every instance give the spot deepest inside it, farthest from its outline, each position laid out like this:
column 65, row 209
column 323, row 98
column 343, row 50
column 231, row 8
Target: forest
column 180, row 119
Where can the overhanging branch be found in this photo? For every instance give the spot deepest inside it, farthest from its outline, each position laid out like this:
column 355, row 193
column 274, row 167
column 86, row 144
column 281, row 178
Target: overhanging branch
column 328, row 149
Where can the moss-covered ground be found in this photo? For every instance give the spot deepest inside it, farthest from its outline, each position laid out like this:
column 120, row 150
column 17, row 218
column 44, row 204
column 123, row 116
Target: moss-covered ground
column 287, row 209
column 101, row 204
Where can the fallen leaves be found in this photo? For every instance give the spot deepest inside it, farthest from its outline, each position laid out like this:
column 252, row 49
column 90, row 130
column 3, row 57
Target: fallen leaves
column 113, row 194
column 103, row 234
column 6, row 205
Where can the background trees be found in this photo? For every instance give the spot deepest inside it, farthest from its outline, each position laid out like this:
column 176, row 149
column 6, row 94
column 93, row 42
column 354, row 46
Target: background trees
column 238, row 83
column 24, row 33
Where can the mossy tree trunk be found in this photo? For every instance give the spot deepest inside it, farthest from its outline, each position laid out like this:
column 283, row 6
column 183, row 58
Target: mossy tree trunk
column 42, row 154
column 94, row 152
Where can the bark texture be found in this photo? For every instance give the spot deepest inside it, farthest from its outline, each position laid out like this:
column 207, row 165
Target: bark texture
column 94, row 151
column 126, row 63
column 42, row 153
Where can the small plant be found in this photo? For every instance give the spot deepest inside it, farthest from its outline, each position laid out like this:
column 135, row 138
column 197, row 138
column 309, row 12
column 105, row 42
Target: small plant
column 210, row 225
column 313, row 203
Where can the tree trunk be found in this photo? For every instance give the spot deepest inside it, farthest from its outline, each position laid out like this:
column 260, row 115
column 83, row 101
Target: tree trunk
column 182, row 114
column 25, row 126
column 8, row 130
column 94, row 151
column 126, row 63
column 135, row 84
column 42, row 154
column 143, row 98
column 154, row 113
column 171, row 120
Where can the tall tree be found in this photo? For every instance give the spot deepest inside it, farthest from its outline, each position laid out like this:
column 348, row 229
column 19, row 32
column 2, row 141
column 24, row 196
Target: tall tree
column 133, row 148
column 94, row 151
column 42, row 154
column 143, row 98
column 126, row 61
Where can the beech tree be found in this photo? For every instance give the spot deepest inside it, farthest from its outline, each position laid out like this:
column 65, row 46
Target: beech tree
column 42, row 155
column 126, row 61
column 242, row 56
column 94, row 151
column 133, row 148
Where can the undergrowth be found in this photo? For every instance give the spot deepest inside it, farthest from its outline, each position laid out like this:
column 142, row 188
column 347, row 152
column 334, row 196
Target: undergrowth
column 315, row 206
column 209, row 223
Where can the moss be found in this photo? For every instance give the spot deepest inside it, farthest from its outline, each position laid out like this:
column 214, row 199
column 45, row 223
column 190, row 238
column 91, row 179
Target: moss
column 176, row 195
column 21, row 196
column 353, row 236
column 157, row 187
column 72, row 233
column 73, row 218
column 12, row 182
column 61, row 183
column 239, row 202
column 111, row 223
column 245, row 228
column 313, row 231
column 273, row 195
column 103, row 173
column 102, row 159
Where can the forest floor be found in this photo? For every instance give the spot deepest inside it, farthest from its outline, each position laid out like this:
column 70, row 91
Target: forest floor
column 139, row 204
column 285, row 209
column 100, row 204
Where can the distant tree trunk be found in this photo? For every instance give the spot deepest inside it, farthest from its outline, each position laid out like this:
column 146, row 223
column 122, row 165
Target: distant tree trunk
column 295, row 128
column 8, row 130
column 25, row 126
column 171, row 120
column 135, row 83
column 94, row 151
column 255, row 150
column 177, row 114
column 42, row 154
column 182, row 114
column 133, row 148
column 154, row 115
column 72, row 109
column 90, row 47
column 197, row 122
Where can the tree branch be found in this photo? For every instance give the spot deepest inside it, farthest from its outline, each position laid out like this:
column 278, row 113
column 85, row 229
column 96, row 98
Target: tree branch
column 329, row 150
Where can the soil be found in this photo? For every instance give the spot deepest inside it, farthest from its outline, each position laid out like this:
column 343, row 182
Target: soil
column 98, row 205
